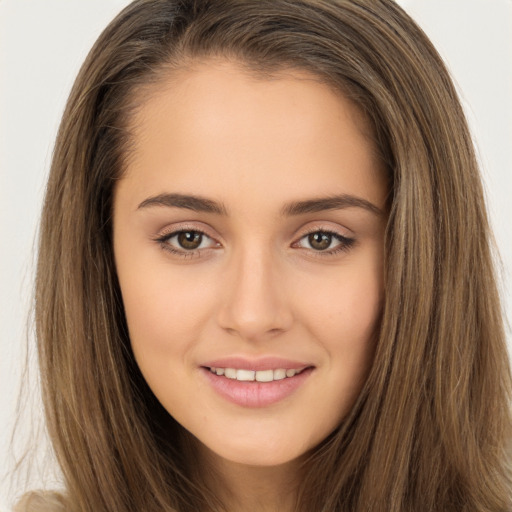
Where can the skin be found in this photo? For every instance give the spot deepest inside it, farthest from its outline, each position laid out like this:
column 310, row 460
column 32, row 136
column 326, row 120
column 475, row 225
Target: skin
column 256, row 286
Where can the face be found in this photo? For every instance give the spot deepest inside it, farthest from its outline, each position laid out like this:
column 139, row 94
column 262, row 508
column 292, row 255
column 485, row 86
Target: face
column 248, row 238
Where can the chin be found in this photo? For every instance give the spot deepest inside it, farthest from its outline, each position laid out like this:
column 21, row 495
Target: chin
column 259, row 452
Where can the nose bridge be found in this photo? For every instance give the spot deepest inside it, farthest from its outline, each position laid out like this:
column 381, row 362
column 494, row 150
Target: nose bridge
column 254, row 303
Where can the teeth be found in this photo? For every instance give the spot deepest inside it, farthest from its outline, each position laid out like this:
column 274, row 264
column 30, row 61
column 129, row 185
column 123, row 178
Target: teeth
column 230, row 373
column 245, row 375
column 265, row 376
column 260, row 375
column 279, row 374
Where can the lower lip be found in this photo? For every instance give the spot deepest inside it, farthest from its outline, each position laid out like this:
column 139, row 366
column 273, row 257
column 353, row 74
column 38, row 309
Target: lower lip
column 254, row 393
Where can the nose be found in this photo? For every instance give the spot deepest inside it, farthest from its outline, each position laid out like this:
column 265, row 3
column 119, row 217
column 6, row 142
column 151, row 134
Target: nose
column 254, row 303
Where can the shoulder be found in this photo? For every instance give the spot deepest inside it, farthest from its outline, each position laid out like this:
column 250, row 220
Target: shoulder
column 41, row 501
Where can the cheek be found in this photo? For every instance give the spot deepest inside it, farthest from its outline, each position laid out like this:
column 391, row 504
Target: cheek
column 352, row 340
column 165, row 314
column 347, row 307
column 345, row 319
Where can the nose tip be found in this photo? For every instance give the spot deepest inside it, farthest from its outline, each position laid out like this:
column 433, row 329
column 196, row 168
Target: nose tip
column 252, row 331
column 255, row 303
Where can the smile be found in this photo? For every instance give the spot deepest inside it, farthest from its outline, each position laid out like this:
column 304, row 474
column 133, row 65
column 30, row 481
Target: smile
column 259, row 375
column 254, row 384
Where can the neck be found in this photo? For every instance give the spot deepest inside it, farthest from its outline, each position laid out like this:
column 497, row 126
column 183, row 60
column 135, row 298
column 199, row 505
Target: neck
column 246, row 488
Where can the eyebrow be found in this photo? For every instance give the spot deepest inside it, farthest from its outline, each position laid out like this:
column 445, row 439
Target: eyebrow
column 337, row 202
column 202, row 204
column 188, row 202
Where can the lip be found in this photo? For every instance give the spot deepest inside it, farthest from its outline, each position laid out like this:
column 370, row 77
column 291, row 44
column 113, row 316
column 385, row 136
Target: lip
column 264, row 363
column 255, row 394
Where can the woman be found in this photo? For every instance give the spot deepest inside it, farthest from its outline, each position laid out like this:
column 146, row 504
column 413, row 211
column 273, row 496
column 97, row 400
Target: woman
column 264, row 277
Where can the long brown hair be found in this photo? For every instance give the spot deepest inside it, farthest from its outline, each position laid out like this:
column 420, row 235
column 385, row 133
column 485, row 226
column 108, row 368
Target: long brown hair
column 431, row 427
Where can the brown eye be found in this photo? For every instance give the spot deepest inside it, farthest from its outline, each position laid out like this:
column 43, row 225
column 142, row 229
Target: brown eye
column 187, row 243
column 326, row 243
column 320, row 241
column 189, row 240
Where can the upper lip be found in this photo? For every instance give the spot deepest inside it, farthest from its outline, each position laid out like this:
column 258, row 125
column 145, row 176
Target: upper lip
column 263, row 363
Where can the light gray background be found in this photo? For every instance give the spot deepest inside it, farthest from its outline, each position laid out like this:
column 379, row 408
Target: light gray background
column 42, row 44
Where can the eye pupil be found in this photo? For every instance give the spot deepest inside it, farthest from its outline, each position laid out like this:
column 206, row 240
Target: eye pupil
column 320, row 241
column 190, row 239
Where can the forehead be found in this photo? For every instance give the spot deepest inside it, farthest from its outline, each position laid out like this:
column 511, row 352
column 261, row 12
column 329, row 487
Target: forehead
column 203, row 89
column 217, row 127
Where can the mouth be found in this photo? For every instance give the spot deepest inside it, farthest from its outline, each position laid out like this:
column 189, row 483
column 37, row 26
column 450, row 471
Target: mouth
column 244, row 375
column 256, row 384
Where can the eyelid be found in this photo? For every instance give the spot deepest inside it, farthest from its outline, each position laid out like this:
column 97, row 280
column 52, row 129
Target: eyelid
column 325, row 227
column 346, row 242
column 163, row 237
column 173, row 229
column 170, row 232
column 337, row 236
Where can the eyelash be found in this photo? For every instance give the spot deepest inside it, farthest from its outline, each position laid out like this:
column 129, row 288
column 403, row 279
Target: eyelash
column 345, row 243
column 163, row 240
